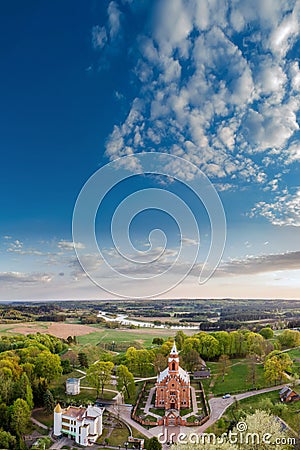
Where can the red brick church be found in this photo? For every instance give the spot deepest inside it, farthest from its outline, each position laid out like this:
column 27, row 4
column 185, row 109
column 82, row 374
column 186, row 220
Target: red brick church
column 173, row 389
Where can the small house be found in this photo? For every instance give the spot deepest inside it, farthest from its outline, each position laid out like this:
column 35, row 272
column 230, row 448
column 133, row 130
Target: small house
column 287, row 395
column 203, row 373
column 73, row 386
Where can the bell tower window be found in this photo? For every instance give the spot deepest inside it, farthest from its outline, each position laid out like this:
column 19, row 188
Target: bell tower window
column 173, row 365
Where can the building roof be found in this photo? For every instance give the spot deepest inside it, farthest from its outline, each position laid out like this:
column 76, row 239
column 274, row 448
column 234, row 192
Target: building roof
column 202, row 373
column 94, row 411
column 181, row 373
column 77, row 412
column 73, row 380
column 284, row 390
column 80, row 413
column 58, row 408
column 162, row 375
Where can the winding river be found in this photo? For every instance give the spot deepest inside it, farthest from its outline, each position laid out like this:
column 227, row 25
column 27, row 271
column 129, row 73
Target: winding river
column 123, row 320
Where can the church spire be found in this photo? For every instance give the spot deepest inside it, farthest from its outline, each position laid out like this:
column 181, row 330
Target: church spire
column 174, row 350
column 173, row 360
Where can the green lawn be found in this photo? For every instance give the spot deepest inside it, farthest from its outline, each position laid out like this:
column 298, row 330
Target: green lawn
column 295, row 357
column 236, row 378
column 105, row 336
column 43, row 417
column 119, row 436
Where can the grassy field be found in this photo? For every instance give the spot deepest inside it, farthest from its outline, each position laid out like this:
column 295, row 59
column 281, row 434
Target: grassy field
column 236, row 378
column 139, row 337
column 295, row 356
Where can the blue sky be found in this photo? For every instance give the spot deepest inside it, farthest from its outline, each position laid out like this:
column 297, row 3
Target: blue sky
column 216, row 83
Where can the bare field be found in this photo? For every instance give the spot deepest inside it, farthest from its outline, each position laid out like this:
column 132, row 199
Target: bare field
column 59, row 329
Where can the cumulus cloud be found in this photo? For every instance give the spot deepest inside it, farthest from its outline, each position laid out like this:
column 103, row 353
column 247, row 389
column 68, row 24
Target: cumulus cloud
column 219, row 86
column 284, row 210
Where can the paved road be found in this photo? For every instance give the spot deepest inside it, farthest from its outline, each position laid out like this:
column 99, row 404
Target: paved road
column 61, row 442
column 218, row 405
column 39, row 424
column 124, row 413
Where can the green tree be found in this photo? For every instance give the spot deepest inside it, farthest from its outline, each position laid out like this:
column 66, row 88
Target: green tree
column 4, row 416
column 66, row 366
column 160, row 362
column 252, row 370
column 153, row 444
column 267, row 332
column 180, row 338
column 289, row 338
column 255, row 343
column 99, row 374
column 49, row 402
column 125, row 380
column 276, row 365
column 6, row 385
column 208, row 346
column 48, row 366
column 83, row 360
column 192, row 360
column 23, row 389
column 39, row 387
column 42, row 443
column 224, row 363
column 157, row 341
column 224, row 342
column 20, row 415
column 7, row 440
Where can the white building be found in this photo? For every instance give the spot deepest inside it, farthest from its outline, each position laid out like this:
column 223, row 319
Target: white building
column 84, row 425
column 73, row 386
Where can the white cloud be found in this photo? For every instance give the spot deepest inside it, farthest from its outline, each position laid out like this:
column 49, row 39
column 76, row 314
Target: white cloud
column 21, row 277
column 284, row 210
column 70, row 245
column 284, row 35
column 99, row 37
column 114, row 15
column 210, row 111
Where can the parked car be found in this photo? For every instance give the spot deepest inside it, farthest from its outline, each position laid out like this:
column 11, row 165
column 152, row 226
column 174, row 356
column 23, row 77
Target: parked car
column 226, row 396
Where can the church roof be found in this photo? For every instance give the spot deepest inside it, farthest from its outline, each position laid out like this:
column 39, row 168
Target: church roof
column 182, row 374
column 162, row 375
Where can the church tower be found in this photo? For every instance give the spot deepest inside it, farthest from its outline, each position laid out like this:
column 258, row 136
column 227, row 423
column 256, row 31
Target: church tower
column 173, row 361
column 57, row 420
column 173, row 386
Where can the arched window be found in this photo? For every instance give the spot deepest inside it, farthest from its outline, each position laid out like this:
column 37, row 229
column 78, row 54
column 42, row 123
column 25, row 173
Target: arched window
column 173, row 366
